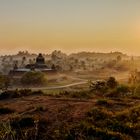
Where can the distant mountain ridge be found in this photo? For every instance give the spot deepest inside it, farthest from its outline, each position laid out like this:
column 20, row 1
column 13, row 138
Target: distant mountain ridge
column 99, row 55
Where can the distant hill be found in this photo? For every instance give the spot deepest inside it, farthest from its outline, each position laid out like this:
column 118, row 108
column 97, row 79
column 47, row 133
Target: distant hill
column 111, row 55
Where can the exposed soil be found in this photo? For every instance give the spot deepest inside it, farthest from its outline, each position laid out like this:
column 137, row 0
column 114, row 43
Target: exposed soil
column 55, row 108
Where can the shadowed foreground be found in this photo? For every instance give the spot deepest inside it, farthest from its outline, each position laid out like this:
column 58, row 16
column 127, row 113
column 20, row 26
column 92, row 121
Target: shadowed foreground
column 36, row 116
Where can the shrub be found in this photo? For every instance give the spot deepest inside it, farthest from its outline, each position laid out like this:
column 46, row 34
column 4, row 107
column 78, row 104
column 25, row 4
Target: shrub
column 120, row 126
column 123, row 89
column 24, row 128
column 40, row 108
column 10, row 94
column 92, row 132
column 105, row 134
column 18, row 93
column 120, row 90
column 76, row 94
column 4, row 95
column 39, row 92
column 26, row 121
column 80, row 94
column 6, row 133
column 131, row 115
column 98, row 114
column 102, row 102
column 5, row 110
column 25, row 92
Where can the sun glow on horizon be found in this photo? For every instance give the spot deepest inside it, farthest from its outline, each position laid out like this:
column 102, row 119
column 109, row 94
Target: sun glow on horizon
column 70, row 26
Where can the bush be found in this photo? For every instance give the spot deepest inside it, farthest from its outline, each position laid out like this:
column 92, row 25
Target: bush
column 76, row 94
column 104, row 124
column 38, row 92
column 5, row 110
column 97, row 114
column 4, row 95
column 120, row 90
column 24, row 128
column 17, row 123
column 131, row 115
column 102, row 102
column 123, row 89
column 40, row 108
column 90, row 131
column 18, row 93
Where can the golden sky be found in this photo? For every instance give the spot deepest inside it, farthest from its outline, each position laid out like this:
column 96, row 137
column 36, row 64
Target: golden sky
column 70, row 25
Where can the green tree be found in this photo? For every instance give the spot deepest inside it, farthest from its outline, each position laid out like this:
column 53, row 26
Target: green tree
column 33, row 78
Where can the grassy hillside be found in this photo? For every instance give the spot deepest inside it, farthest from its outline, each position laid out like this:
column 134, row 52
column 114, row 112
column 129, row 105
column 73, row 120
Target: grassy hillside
column 69, row 115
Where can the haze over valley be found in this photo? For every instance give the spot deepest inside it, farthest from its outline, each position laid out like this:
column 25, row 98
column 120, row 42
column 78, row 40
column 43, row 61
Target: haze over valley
column 69, row 70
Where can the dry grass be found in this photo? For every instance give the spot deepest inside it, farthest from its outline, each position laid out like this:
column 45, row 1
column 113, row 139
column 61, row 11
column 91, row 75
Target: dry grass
column 50, row 117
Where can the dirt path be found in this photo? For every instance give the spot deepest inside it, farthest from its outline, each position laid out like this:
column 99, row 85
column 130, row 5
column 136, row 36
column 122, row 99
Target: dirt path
column 82, row 82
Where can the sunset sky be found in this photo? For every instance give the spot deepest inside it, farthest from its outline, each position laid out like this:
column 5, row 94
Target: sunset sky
column 70, row 25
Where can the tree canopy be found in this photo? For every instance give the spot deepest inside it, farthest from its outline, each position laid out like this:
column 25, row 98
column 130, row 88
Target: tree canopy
column 33, row 78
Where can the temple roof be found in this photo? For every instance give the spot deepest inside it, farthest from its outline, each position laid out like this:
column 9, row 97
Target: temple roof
column 40, row 59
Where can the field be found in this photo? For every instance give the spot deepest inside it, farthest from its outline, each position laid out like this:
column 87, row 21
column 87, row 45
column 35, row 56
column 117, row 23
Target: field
column 79, row 115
